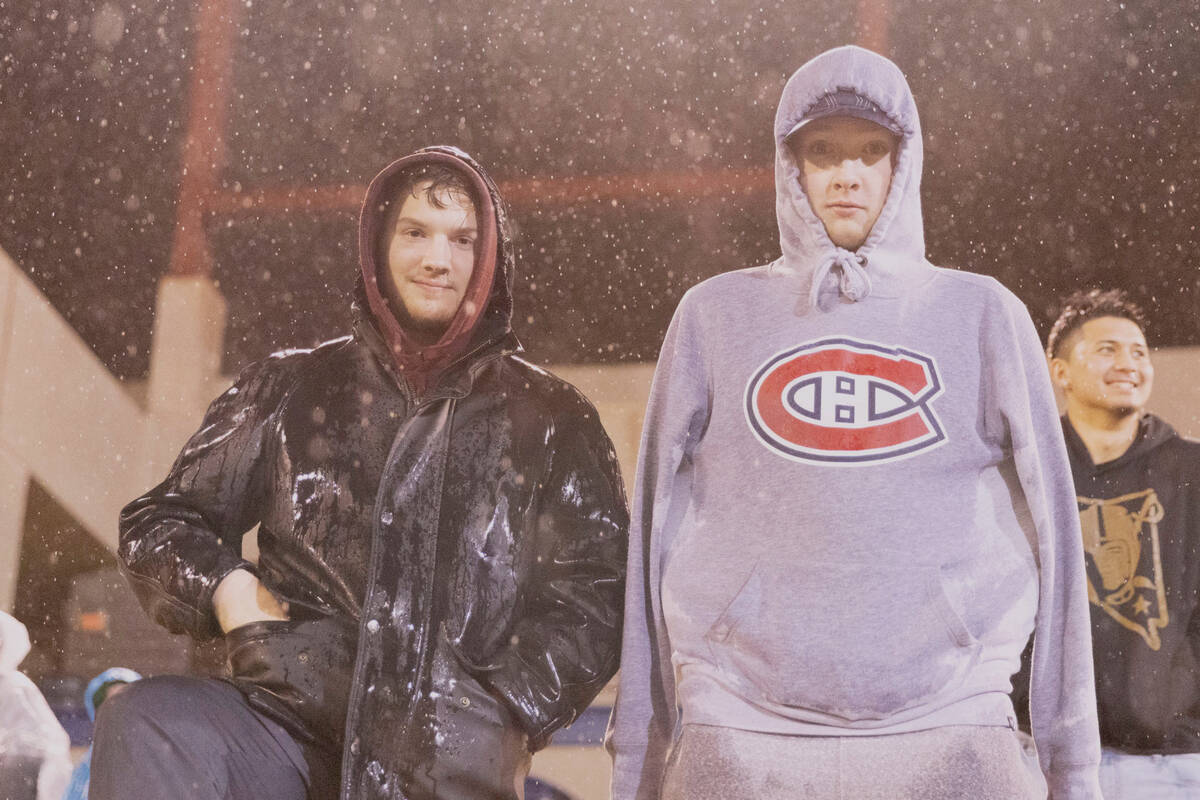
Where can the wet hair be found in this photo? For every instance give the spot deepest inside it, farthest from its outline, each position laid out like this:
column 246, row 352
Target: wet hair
column 441, row 178
column 1080, row 307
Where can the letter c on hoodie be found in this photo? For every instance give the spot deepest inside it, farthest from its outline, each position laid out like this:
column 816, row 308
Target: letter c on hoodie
column 843, row 401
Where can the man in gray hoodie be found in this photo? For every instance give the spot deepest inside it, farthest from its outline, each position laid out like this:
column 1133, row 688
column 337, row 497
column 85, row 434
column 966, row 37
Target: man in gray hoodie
column 853, row 504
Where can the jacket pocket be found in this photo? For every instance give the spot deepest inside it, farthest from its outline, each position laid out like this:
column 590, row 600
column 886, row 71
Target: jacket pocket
column 297, row 672
column 855, row 641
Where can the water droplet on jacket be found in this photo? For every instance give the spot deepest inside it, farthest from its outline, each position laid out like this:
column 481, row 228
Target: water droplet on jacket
column 386, row 518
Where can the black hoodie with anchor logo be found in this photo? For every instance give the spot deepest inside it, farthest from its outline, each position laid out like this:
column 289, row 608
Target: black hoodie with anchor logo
column 1140, row 515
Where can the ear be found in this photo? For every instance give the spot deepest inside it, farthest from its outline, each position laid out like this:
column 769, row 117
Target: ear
column 1059, row 373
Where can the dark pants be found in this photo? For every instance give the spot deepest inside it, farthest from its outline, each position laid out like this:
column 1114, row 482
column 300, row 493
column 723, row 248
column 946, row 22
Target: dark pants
column 173, row 737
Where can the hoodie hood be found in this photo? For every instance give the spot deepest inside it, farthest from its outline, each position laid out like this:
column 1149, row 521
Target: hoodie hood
column 14, row 642
column 1152, row 434
column 486, row 310
column 892, row 259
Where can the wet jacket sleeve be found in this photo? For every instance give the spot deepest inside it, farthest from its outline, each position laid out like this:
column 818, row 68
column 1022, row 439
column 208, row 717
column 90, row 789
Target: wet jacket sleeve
column 1062, row 694
column 567, row 644
column 180, row 539
column 644, row 718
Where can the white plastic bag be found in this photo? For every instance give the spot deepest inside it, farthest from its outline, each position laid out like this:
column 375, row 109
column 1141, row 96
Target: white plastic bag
column 30, row 735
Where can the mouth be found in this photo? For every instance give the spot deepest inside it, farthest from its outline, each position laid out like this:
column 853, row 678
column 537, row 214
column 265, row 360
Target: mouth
column 845, row 209
column 432, row 285
column 1128, row 386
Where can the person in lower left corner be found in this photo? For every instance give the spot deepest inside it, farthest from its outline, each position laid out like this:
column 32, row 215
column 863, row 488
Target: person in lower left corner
column 107, row 684
column 35, row 760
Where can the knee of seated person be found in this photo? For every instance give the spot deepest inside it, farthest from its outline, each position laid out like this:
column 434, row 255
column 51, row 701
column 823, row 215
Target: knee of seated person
column 140, row 703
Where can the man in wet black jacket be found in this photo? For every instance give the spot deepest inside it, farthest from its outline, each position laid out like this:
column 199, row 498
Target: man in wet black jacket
column 442, row 535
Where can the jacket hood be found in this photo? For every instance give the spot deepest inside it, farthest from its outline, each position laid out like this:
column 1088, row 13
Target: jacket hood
column 892, row 259
column 1153, row 433
column 486, row 310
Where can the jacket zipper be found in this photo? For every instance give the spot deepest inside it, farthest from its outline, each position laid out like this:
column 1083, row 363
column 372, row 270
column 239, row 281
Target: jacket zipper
column 356, row 687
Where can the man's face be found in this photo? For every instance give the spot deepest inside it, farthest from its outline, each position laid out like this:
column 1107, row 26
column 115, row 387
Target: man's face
column 430, row 258
column 845, row 170
column 1106, row 366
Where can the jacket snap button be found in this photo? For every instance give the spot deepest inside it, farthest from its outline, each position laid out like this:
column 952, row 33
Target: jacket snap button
column 386, row 518
column 373, row 625
column 303, row 658
column 465, row 702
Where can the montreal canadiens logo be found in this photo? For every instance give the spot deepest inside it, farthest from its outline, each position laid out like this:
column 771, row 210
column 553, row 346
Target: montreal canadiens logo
column 843, row 401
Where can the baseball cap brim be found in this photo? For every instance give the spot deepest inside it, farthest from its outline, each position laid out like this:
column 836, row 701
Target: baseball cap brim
column 843, row 103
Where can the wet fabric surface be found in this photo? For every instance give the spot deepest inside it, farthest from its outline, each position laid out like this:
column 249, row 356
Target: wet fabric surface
column 711, row 763
column 297, row 672
column 177, row 737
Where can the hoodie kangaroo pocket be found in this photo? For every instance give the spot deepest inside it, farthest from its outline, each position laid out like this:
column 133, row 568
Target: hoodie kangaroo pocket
column 854, row 641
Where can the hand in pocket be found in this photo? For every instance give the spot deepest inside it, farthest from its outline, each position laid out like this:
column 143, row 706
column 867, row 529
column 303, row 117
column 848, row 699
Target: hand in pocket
column 298, row 672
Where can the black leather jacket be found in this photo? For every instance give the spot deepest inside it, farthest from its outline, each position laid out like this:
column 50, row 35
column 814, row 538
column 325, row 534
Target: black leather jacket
column 471, row 543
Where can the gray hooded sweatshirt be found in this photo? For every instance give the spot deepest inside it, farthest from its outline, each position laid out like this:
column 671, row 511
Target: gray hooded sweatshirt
column 853, row 501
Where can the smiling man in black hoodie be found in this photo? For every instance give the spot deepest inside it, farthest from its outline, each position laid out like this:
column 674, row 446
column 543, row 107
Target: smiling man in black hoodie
column 1138, row 487
column 442, row 535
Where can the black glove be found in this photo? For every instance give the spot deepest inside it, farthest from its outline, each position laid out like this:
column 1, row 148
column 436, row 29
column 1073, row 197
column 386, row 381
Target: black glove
column 298, row 673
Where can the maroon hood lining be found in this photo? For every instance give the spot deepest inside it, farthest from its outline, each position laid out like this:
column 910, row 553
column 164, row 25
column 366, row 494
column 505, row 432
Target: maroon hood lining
column 421, row 365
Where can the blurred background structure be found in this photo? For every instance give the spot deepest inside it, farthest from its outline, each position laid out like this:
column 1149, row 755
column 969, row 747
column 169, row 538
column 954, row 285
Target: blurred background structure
column 179, row 183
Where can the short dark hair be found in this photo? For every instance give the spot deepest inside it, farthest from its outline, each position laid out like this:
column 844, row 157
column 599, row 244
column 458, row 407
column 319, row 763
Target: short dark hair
column 1080, row 307
column 442, row 178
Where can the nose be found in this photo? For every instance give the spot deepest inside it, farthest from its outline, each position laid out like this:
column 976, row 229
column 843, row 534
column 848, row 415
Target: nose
column 846, row 177
column 1123, row 361
column 437, row 255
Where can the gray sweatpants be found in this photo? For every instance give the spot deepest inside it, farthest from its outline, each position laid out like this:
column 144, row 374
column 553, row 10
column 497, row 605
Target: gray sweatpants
column 713, row 763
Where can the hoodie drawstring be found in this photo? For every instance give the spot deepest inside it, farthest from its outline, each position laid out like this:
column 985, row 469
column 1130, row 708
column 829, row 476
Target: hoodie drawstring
column 853, row 281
